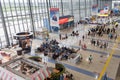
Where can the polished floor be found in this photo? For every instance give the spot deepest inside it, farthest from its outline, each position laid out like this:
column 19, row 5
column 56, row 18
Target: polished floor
column 84, row 70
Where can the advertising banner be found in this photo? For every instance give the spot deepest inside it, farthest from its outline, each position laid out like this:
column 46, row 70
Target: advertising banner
column 106, row 8
column 54, row 19
column 95, row 9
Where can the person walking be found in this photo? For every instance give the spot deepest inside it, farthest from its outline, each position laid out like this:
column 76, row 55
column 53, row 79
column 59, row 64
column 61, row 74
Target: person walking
column 115, row 36
column 83, row 37
column 79, row 42
column 61, row 77
column 90, row 59
column 97, row 42
column 81, row 58
column 60, row 36
column 105, row 76
column 66, row 36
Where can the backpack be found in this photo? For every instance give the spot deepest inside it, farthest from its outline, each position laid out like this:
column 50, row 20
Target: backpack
column 90, row 58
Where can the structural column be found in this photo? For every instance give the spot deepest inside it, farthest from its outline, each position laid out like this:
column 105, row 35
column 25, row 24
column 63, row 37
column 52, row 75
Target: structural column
column 90, row 7
column 97, row 2
column 79, row 10
column 62, row 7
column 31, row 17
column 4, row 25
column 49, row 4
column 48, row 13
column 85, row 9
column 71, row 7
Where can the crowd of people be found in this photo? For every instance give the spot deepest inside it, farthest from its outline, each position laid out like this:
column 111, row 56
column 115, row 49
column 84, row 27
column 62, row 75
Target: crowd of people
column 63, row 36
column 99, row 43
column 101, row 30
column 75, row 33
column 64, row 52
column 53, row 47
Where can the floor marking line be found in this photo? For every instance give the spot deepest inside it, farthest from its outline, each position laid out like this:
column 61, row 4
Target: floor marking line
column 108, row 60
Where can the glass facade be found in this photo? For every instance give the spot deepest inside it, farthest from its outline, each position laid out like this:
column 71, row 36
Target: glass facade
column 102, row 3
column 28, row 15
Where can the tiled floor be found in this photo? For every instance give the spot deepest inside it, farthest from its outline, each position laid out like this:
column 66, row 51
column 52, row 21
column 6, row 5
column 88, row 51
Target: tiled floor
column 84, row 70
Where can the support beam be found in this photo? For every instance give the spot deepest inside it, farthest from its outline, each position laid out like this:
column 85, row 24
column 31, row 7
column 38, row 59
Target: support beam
column 79, row 10
column 90, row 7
column 31, row 17
column 62, row 7
column 4, row 26
column 48, row 1
column 71, row 7
column 85, row 9
column 48, row 13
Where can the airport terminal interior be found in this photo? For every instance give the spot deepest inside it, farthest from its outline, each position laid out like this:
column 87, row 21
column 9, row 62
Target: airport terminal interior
column 59, row 39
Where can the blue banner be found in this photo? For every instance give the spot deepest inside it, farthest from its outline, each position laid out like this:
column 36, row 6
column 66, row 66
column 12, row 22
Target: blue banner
column 106, row 8
column 54, row 19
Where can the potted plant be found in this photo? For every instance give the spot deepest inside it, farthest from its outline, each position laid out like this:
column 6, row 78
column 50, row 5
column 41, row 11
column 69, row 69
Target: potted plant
column 56, row 76
column 36, row 58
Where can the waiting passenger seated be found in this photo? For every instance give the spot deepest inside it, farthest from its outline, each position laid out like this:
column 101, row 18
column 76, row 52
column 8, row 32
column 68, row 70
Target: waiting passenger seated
column 64, row 57
column 55, row 55
column 41, row 49
column 46, row 52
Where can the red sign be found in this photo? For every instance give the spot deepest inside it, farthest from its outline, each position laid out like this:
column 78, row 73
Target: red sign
column 54, row 9
column 64, row 20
